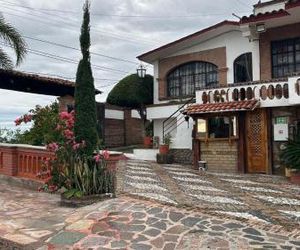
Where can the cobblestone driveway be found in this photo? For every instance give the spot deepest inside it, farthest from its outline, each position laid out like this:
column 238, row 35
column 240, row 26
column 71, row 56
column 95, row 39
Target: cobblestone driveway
column 194, row 211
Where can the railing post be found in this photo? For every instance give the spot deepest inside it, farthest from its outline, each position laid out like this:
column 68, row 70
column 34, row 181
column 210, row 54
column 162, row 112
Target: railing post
column 9, row 161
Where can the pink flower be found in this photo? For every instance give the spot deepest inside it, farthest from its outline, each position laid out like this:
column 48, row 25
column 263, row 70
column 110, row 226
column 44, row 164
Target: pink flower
column 97, row 158
column 105, row 154
column 69, row 134
column 76, row 146
column 18, row 121
column 53, row 147
column 64, row 115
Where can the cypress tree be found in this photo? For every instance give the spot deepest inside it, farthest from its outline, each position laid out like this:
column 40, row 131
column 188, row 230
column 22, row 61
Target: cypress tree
column 85, row 105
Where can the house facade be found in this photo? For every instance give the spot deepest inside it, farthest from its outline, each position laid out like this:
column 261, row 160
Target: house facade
column 230, row 94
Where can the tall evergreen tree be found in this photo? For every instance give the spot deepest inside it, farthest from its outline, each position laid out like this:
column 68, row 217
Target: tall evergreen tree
column 85, row 105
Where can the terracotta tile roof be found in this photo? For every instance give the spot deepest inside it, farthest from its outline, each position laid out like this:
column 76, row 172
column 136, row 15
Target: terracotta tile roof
column 47, row 81
column 207, row 108
column 263, row 16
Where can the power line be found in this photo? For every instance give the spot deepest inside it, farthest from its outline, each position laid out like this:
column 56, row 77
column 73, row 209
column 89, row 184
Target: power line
column 58, row 22
column 121, row 16
column 69, row 47
column 68, row 60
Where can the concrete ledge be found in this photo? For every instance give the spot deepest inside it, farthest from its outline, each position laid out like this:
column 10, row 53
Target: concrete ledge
column 145, row 154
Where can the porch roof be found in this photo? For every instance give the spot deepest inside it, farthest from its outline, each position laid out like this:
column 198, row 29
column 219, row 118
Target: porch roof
column 33, row 83
column 246, row 105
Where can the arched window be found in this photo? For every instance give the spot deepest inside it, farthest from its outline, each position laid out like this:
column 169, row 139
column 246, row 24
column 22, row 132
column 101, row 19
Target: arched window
column 243, row 68
column 183, row 80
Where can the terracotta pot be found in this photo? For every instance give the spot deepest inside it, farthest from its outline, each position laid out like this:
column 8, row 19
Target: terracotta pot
column 295, row 177
column 164, row 149
column 147, row 142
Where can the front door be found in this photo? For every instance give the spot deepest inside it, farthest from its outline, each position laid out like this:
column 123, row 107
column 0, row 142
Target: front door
column 256, row 140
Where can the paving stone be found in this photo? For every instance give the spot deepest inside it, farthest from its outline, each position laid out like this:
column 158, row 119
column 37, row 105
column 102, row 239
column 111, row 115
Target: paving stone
column 160, row 225
column 140, row 238
column 296, row 243
column 119, row 244
column 217, row 228
column 178, row 229
column 175, row 217
column 138, row 215
column 152, row 232
column 141, row 247
column 170, row 237
column 92, row 241
column 253, row 237
column 151, row 220
column 67, row 238
column 169, row 246
column 190, row 221
column 158, row 242
column 135, row 228
column 233, row 225
column 154, row 210
column 252, row 231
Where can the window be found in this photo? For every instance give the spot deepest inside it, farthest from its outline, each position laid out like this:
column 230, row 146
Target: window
column 183, row 80
column 285, row 57
column 217, row 127
column 243, row 68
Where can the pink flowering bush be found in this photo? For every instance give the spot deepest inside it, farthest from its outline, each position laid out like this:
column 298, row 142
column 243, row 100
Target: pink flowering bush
column 71, row 169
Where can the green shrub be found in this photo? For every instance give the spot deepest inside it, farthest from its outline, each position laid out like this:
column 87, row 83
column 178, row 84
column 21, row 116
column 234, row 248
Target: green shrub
column 290, row 156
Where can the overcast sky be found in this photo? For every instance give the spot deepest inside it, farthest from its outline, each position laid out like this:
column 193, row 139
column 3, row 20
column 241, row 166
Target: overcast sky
column 120, row 29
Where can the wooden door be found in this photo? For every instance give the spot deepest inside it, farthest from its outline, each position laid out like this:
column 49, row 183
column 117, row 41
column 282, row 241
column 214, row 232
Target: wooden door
column 256, row 141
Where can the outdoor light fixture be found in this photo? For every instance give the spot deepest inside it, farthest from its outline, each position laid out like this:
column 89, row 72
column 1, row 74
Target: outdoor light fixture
column 141, row 71
column 260, row 28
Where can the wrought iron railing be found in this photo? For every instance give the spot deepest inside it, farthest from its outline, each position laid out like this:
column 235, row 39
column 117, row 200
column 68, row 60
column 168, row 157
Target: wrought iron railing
column 175, row 119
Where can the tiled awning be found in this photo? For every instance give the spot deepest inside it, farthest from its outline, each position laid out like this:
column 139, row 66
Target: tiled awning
column 234, row 106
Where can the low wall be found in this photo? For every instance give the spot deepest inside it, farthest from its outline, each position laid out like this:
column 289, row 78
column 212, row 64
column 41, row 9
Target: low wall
column 22, row 160
column 182, row 156
column 220, row 155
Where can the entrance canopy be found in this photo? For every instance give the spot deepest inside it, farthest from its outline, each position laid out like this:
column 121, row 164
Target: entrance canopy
column 197, row 109
column 32, row 83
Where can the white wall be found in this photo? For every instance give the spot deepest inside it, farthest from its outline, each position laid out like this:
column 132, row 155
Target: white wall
column 114, row 114
column 181, row 136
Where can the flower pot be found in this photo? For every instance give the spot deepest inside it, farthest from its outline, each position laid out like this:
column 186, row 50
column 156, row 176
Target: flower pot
column 147, row 142
column 295, row 177
column 164, row 149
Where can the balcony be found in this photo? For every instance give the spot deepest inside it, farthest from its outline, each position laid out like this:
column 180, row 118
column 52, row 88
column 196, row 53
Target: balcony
column 270, row 94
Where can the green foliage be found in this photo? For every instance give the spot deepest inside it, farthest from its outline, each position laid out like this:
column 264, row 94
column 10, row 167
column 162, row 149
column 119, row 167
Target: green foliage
column 81, row 175
column 168, row 139
column 43, row 130
column 149, row 129
column 13, row 38
column 290, row 156
column 85, row 105
column 132, row 92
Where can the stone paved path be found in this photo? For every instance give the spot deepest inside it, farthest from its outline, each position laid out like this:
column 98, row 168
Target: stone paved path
column 159, row 207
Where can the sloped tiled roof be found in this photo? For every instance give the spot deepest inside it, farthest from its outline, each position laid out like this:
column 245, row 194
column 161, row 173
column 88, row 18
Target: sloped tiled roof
column 207, row 108
column 263, row 16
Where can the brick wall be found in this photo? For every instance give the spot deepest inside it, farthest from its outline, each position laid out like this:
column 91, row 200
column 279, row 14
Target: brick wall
column 114, row 133
column 134, row 129
column 216, row 56
column 280, row 33
column 221, row 156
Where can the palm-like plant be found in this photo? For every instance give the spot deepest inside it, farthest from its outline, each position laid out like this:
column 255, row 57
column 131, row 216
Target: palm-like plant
column 10, row 36
column 290, row 156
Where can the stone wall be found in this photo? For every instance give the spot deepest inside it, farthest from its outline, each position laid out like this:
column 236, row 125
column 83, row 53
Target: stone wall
column 221, row 156
column 182, row 156
column 114, row 133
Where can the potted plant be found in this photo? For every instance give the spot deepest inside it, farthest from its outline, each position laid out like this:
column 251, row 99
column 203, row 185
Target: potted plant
column 148, row 135
column 164, row 148
column 290, row 156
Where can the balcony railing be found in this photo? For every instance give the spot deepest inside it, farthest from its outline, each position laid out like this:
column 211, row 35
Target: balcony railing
column 270, row 94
